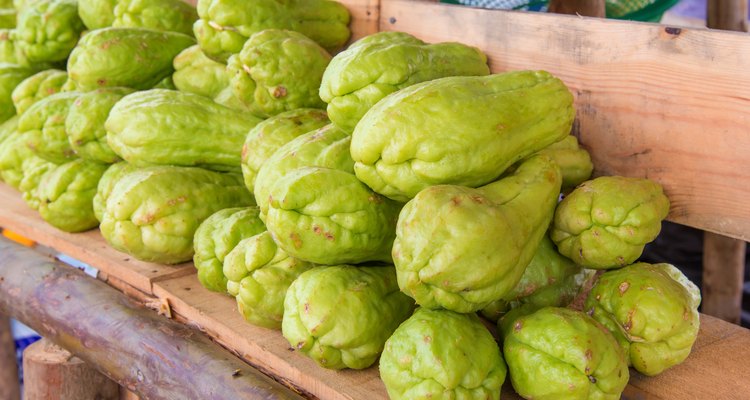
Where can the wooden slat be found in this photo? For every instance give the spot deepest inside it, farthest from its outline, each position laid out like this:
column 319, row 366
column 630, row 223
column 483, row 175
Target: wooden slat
column 365, row 17
column 88, row 247
column 664, row 103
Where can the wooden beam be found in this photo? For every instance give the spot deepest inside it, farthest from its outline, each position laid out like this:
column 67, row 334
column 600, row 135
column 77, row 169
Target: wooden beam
column 729, row 15
column 10, row 388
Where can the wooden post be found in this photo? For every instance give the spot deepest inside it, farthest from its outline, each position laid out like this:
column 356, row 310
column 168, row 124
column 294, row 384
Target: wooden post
column 9, row 386
column 589, row 8
column 52, row 373
column 729, row 15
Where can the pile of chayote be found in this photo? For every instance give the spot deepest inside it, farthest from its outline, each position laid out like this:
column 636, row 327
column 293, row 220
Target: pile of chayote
column 381, row 203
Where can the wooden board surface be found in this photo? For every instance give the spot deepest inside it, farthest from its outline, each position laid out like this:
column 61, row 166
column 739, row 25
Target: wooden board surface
column 653, row 101
column 365, row 17
column 88, row 247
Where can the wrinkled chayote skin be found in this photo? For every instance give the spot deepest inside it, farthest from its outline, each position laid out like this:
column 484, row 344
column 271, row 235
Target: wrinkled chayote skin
column 558, row 353
column 43, row 126
column 97, row 14
column 107, row 183
column 7, row 17
column 152, row 213
column 606, row 222
column 137, row 58
column 34, row 168
column 380, row 64
column 9, row 52
column 8, row 128
column 341, row 316
column 260, row 274
column 225, row 25
column 327, row 147
column 36, row 87
column 268, row 136
column 442, row 355
column 277, row 71
column 66, row 195
column 10, row 76
column 13, row 153
column 164, row 15
column 85, row 124
column 176, row 128
column 653, row 312
column 573, row 160
column 458, row 130
column 216, row 237
column 48, row 30
column 460, row 248
column 196, row 73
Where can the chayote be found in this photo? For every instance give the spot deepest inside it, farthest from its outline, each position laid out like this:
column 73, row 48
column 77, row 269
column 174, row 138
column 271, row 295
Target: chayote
column 36, row 87
column 196, row 73
column 225, row 25
column 270, row 135
column 97, row 14
column 13, row 153
column 131, row 57
column 216, row 237
column 278, row 70
column 461, row 248
column 458, row 130
column 176, row 128
column 10, row 76
column 573, row 160
column 9, row 52
column 85, row 123
column 107, row 183
column 43, row 126
column 327, row 147
column 152, row 212
column 440, row 354
column 652, row 310
column 165, row 83
column 8, row 128
column 380, row 64
column 7, row 17
column 606, row 222
column 34, row 168
column 163, row 15
column 66, row 195
column 260, row 274
column 48, row 30
column 341, row 316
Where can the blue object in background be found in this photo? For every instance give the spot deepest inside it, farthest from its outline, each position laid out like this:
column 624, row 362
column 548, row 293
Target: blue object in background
column 23, row 336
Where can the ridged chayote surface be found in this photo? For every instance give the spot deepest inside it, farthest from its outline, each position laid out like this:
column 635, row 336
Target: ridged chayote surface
column 107, row 183
column 131, row 57
column 13, row 153
column 152, row 213
column 260, row 274
column 34, row 168
column 216, row 237
column 36, row 87
column 458, row 130
column 176, row 128
column 164, row 15
column 10, row 76
column 9, row 51
column 85, row 123
column 48, row 30
column 461, row 248
column 97, row 14
column 225, row 25
column 606, row 222
column 196, row 73
column 653, row 312
column 573, row 160
column 43, row 126
column 382, row 63
column 442, row 355
column 341, row 316
column 562, row 354
column 278, row 70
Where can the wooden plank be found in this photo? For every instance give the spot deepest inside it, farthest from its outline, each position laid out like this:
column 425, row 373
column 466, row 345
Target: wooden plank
column 365, row 17
column 723, row 276
column 88, row 247
column 727, row 14
column 653, row 101
column 10, row 388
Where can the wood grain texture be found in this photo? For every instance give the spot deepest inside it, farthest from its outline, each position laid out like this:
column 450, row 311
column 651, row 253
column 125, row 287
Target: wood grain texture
column 664, row 103
column 727, row 14
column 365, row 17
column 88, row 247
column 10, row 388
column 723, row 276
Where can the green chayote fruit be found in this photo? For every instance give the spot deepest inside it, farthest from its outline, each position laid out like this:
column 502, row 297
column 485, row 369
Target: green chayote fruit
column 176, row 128
column 43, row 126
column 260, row 274
column 558, row 353
column 216, row 237
column 85, row 123
column 131, row 57
column 268, row 136
column 10, row 76
column 13, row 153
column 152, row 213
column 8, row 128
column 327, row 216
column 7, row 18
column 327, row 147
column 48, row 30
column 225, row 25
column 196, row 73
column 97, row 14
column 34, row 168
column 66, row 195
column 277, row 71
column 573, row 160
column 165, row 83
column 461, row 248
column 380, row 64
column 606, row 222
column 9, row 52
column 163, row 15
column 652, row 310
column 36, row 87
column 439, row 354
column 107, row 183
column 341, row 316
column 458, row 130
column 6, row 4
